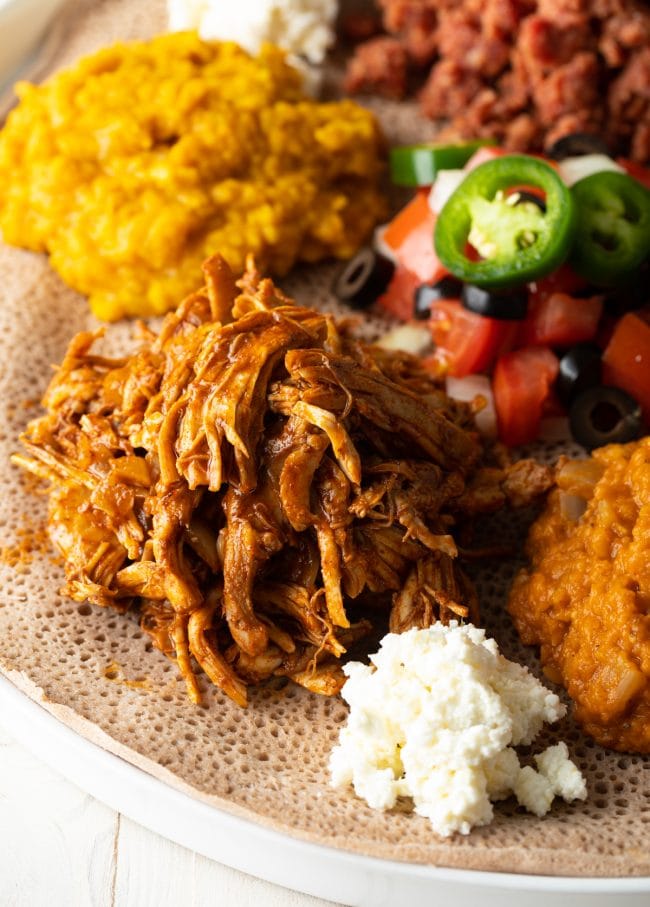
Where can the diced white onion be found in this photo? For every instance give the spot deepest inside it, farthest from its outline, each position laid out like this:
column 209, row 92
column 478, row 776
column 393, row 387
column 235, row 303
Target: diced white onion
column 445, row 185
column 408, row 338
column 573, row 169
column 572, row 506
column 467, row 389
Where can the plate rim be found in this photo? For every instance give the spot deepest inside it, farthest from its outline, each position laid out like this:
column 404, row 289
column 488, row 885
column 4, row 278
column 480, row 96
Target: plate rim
column 154, row 804
column 38, row 59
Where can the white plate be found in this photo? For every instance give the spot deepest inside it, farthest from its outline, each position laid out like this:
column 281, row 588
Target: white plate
column 320, row 871
column 31, row 32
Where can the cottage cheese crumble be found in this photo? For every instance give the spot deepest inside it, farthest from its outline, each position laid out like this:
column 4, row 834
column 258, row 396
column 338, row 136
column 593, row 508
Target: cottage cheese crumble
column 436, row 718
column 301, row 27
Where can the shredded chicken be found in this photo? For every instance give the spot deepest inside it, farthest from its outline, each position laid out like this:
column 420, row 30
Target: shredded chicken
column 249, row 473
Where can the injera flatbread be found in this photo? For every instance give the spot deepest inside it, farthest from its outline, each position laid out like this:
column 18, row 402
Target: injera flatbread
column 269, row 762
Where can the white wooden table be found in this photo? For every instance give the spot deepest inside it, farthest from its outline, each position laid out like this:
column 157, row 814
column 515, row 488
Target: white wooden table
column 59, row 847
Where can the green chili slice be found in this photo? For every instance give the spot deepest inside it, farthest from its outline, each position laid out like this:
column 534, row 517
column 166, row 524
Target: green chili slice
column 612, row 227
column 515, row 243
column 418, row 165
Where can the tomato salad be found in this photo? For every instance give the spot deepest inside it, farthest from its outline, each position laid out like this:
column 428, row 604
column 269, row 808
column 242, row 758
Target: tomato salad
column 530, row 277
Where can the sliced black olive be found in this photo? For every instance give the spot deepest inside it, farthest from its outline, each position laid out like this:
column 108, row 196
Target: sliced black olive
column 363, row 279
column 511, row 306
column 576, row 144
column 427, row 294
column 580, row 369
column 605, row 415
column 525, row 197
column 586, row 292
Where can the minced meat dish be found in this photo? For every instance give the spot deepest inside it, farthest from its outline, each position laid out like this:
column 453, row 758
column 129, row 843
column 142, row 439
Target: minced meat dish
column 525, row 72
column 250, row 473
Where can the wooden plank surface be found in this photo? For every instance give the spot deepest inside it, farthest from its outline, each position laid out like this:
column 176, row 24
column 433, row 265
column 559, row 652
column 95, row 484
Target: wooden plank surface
column 60, row 847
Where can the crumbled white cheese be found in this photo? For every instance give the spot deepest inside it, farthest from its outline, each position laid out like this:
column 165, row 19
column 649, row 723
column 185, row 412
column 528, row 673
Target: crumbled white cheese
column 563, row 775
column 435, row 719
column 301, row 27
column 533, row 791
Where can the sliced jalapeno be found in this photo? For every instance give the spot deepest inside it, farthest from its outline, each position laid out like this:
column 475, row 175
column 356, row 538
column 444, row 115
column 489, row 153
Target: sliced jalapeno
column 517, row 243
column 612, row 237
column 418, row 165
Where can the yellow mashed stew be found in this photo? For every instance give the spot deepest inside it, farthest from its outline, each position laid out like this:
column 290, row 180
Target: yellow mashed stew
column 134, row 166
column 585, row 598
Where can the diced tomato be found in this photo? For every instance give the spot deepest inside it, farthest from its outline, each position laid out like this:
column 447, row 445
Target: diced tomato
column 410, row 236
column 552, row 406
column 637, row 171
column 557, row 319
column 467, row 343
column 408, row 219
column 626, row 359
column 564, row 280
column 399, row 296
column 606, row 328
column 522, row 382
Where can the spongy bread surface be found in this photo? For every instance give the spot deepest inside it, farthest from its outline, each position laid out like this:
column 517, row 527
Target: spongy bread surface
column 96, row 671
